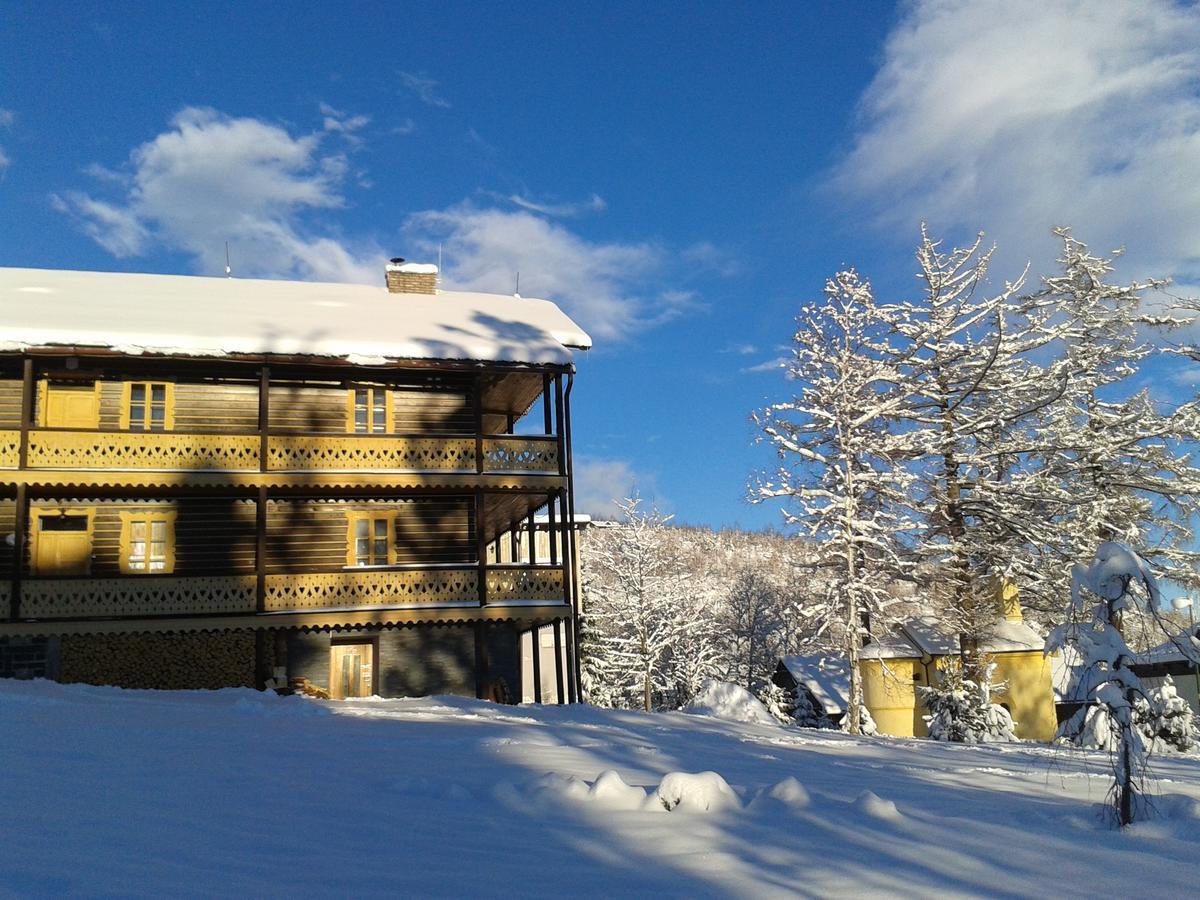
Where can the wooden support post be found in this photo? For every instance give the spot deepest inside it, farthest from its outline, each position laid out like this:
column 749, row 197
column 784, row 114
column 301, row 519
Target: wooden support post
column 551, row 531
column 531, row 531
column 570, row 555
column 546, row 411
column 558, row 425
column 481, row 661
column 260, row 549
column 535, row 639
column 264, row 418
column 20, row 530
column 477, row 403
column 481, row 547
column 572, row 692
column 558, row 661
column 27, row 394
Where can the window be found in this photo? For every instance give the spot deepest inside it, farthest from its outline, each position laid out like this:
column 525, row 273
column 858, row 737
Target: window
column 369, row 410
column 147, row 542
column 148, row 406
column 371, row 539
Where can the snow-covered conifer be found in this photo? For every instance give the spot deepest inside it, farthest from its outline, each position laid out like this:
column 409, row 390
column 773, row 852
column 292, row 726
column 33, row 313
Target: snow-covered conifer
column 840, row 467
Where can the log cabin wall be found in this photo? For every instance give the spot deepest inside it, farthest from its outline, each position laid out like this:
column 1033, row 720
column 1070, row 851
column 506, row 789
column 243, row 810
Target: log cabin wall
column 213, row 536
column 10, row 403
column 305, row 536
column 441, row 405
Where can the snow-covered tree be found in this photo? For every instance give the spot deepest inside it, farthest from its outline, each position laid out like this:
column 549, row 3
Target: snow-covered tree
column 840, row 467
column 1110, row 463
column 779, row 702
column 1095, row 635
column 961, row 710
column 753, row 618
column 633, row 605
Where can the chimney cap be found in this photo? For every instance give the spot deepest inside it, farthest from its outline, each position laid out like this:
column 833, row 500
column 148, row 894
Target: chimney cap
column 397, row 260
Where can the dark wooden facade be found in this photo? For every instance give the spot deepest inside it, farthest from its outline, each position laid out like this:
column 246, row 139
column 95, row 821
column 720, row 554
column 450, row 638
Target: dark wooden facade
column 223, row 497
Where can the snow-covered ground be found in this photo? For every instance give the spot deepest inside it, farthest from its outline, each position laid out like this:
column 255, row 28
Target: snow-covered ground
column 234, row 792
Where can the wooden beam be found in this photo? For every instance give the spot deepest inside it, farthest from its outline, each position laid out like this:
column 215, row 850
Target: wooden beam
column 558, row 661
column 264, row 417
column 558, row 425
column 535, row 640
column 477, row 409
column 481, row 546
column 570, row 554
column 481, row 661
column 27, row 394
column 572, row 693
column 260, row 549
column 546, row 410
column 20, row 530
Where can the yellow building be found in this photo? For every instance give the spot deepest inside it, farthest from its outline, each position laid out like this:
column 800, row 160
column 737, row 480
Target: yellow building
column 912, row 656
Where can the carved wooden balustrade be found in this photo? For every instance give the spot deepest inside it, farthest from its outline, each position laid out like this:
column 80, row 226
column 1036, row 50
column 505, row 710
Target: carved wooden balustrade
column 151, row 596
column 179, row 451
column 520, row 454
column 541, row 583
column 163, row 450
column 358, row 588
column 414, row 454
column 71, row 598
column 10, row 449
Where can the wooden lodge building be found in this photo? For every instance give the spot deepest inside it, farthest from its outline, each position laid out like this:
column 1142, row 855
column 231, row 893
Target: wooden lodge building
column 211, row 482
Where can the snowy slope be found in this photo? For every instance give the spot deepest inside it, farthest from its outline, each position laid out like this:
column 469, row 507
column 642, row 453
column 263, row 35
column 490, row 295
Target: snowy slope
column 239, row 793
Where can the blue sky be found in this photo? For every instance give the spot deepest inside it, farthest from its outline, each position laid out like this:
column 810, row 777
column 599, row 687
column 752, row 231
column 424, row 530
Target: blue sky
column 679, row 177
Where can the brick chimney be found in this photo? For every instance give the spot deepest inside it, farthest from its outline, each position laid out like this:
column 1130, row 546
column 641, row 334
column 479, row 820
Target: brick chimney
column 410, row 278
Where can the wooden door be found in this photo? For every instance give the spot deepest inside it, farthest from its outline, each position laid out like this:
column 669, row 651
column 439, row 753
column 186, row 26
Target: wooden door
column 71, row 406
column 351, row 670
column 64, row 544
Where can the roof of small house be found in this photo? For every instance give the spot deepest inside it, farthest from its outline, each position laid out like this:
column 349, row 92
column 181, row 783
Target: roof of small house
column 826, row 677
column 187, row 315
column 927, row 636
column 1169, row 651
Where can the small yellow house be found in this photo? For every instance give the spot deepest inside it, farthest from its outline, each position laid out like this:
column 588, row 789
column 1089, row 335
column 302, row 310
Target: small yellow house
column 895, row 665
column 911, row 657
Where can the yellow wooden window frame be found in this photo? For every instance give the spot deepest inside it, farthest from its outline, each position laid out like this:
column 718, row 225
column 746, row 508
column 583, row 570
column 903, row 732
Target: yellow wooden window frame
column 373, row 390
column 372, row 516
column 149, row 516
column 168, row 399
column 35, row 531
column 43, row 387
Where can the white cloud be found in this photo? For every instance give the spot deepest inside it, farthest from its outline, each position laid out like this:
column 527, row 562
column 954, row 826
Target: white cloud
column 600, row 483
column 344, row 124
column 1017, row 115
column 209, row 179
column 602, row 286
column 6, row 119
column 425, row 89
column 595, row 203
column 739, row 349
column 771, row 365
column 405, row 128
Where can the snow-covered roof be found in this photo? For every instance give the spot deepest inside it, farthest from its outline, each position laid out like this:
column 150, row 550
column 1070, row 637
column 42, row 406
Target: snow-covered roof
column 827, row 677
column 927, row 636
column 1169, row 651
column 184, row 315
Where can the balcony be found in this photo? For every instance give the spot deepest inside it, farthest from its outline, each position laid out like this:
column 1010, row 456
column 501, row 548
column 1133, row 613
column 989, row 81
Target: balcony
column 191, row 452
column 153, row 596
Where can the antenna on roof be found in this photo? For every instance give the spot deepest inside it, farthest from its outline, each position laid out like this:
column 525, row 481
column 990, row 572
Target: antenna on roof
column 439, row 256
column 517, row 288
column 228, row 270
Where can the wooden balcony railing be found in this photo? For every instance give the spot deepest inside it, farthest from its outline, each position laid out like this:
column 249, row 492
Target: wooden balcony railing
column 136, row 596
column 168, row 451
column 162, row 450
column 349, row 589
column 150, row 596
column 333, row 452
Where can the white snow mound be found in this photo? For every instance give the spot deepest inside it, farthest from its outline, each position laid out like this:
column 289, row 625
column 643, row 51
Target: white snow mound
column 611, row 792
column 790, row 792
column 871, row 804
column 723, row 700
column 694, row 792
